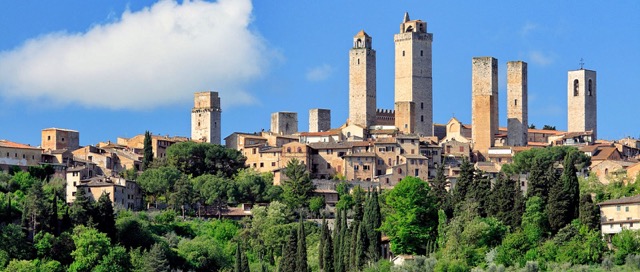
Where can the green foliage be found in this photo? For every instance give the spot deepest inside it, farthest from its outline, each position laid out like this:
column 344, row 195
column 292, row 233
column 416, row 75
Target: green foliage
column 564, row 196
column 12, row 241
column 439, row 190
column 301, row 254
column 372, row 221
column 523, row 162
column 513, row 248
column 316, row 204
column 413, row 219
column 534, row 220
column 91, row 247
column 133, row 232
column 289, row 261
column 196, row 159
column 158, row 181
column 464, row 183
column 626, row 242
column 116, row 261
column 297, row 186
column 21, row 266
column 22, row 181
column 182, row 195
column 502, row 199
column 203, row 254
column 148, row 150
column 481, row 192
column 589, row 214
column 105, row 216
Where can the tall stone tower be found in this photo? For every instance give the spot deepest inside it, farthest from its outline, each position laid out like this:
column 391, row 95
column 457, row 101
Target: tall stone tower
column 206, row 117
column 284, row 122
column 517, row 104
column 362, row 81
column 319, row 120
column 484, row 103
column 413, row 83
column 583, row 111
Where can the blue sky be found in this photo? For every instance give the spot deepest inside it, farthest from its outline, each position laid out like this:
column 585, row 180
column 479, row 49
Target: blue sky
column 117, row 68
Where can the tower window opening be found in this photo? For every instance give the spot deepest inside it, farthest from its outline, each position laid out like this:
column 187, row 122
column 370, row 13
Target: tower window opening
column 403, row 53
column 421, row 105
column 359, row 43
column 421, row 53
column 590, row 88
column 515, row 102
column 198, row 123
column 358, row 61
column 576, row 87
column 421, row 118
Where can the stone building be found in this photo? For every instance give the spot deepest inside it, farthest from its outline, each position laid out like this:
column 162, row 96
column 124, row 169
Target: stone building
column 517, row 103
column 619, row 214
column 284, row 123
column 484, row 104
column 413, row 82
column 16, row 154
column 582, row 102
column 159, row 144
column 319, row 120
column 206, row 118
column 362, row 81
column 59, row 138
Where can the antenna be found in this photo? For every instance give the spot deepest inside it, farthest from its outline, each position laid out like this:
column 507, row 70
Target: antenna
column 581, row 64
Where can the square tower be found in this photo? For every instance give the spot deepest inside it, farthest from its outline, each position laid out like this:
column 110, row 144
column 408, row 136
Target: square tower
column 319, row 120
column 59, row 138
column 413, row 82
column 582, row 104
column 484, row 102
column 517, row 104
column 206, row 118
column 362, row 81
column 284, row 123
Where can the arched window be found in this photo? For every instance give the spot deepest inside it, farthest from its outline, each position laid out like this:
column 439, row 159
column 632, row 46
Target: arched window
column 399, row 170
column 288, row 149
column 409, row 29
column 606, row 171
column 590, row 88
column 576, row 87
column 358, row 43
column 299, row 149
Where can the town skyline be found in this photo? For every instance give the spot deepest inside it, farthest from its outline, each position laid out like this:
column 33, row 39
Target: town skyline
column 306, row 67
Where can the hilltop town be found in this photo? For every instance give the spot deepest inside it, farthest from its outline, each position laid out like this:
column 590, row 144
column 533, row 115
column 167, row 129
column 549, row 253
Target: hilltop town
column 375, row 148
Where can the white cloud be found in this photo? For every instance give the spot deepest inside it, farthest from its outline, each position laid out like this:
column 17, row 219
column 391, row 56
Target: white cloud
column 156, row 56
column 540, row 58
column 319, row 73
column 527, row 28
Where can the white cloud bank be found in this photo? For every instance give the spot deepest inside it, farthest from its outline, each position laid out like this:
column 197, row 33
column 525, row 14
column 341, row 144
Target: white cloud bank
column 156, row 56
column 540, row 58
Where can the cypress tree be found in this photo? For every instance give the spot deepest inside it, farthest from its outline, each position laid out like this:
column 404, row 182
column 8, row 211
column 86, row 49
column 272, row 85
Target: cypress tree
column 244, row 264
column 464, row 183
column 360, row 246
column 344, row 246
column 353, row 244
column 337, row 242
column 289, row 253
column 301, row 264
column 327, row 261
column 439, row 188
column 237, row 265
column 589, row 213
column 323, row 238
column 105, row 220
column 81, row 209
column 156, row 259
column 148, row 150
column 502, row 199
column 564, row 196
column 481, row 192
column 373, row 234
column 518, row 207
column 53, row 217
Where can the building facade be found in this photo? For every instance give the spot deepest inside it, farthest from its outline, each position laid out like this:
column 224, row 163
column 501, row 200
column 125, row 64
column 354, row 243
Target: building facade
column 362, row 81
column 484, row 103
column 284, row 123
column 319, row 120
column 582, row 103
column 59, row 138
column 517, row 103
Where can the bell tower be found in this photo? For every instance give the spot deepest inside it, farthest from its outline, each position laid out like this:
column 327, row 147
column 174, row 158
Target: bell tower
column 582, row 104
column 413, row 81
column 362, row 81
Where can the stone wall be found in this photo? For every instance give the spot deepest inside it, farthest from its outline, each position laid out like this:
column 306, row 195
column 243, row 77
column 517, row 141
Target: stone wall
column 517, row 103
column 581, row 97
column 284, row 123
column 362, row 82
column 319, row 120
column 206, row 118
column 484, row 104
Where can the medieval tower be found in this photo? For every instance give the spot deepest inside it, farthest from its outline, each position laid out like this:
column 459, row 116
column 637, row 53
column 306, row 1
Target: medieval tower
column 362, row 81
column 284, row 122
column 205, row 118
column 484, row 103
column 413, row 82
column 319, row 120
column 517, row 103
column 583, row 112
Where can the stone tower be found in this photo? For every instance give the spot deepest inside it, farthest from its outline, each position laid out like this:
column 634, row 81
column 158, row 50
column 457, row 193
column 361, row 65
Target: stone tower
column 484, row 103
column 284, row 123
column 413, row 83
column 581, row 91
column 206, row 118
column 319, row 120
column 517, row 104
column 362, row 81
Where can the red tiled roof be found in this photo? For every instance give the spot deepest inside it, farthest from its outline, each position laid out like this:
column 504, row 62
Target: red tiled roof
column 9, row 144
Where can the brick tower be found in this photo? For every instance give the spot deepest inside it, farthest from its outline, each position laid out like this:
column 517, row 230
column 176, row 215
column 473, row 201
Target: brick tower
column 413, row 83
column 206, row 117
column 362, row 81
column 582, row 106
column 517, row 103
column 484, row 103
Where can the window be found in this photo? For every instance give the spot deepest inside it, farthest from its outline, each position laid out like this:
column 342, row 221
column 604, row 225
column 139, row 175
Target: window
column 328, row 166
column 626, row 209
column 617, row 208
column 288, row 149
column 299, row 149
column 416, row 172
column 590, row 88
column 24, row 156
column 49, row 138
column 358, row 61
column 576, row 87
column 421, row 105
column 365, row 167
column 399, row 170
column 515, row 102
column 421, row 53
column 261, row 164
column 73, row 194
column 253, row 151
column 273, row 164
column 63, row 139
column 329, row 151
column 74, row 183
column 461, row 148
column 403, row 53
column 356, row 167
column 421, row 118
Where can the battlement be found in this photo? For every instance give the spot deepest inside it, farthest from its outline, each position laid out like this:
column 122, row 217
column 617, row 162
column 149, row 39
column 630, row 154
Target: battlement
column 385, row 117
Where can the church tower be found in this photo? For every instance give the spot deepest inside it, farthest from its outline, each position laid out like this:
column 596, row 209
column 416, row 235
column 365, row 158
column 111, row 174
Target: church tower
column 582, row 106
column 205, row 117
column 517, row 104
column 362, row 81
column 413, row 82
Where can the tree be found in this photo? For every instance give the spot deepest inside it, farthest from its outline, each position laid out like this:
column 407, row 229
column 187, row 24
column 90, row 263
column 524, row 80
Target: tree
column 301, row 263
column 197, row 159
column 182, row 195
column 534, row 220
column 439, row 189
column 564, row 197
column 288, row 261
column 413, row 219
column 298, row 185
column 589, row 213
column 215, row 190
column 81, row 210
column 158, row 181
column 372, row 220
column 148, row 151
column 464, row 183
column 105, row 216
column 321, row 244
column 481, row 192
column 34, row 213
column 358, row 202
column 360, row 247
column 502, row 200
column 237, row 265
column 327, row 253
column 316, row 204
column 548, row 127
column 626, row 242
column 91, row 246
column 532, row 126
column 116, row 261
